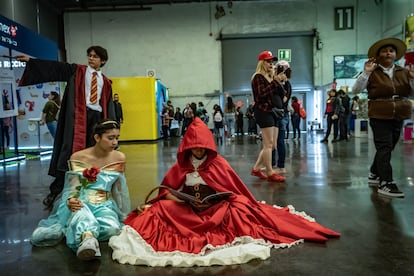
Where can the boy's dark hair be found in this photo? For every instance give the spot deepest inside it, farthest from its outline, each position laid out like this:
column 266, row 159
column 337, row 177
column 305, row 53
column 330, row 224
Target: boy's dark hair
column 100, row 52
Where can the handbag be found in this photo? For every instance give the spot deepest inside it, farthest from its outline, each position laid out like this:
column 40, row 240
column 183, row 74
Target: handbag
column 279, row 112
column 302, row 113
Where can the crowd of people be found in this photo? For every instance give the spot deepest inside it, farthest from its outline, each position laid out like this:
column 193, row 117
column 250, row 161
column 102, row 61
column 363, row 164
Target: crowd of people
column 89, row 199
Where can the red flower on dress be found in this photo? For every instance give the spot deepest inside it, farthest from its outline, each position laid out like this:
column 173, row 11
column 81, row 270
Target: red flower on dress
column 88, row 176
column 91, row 174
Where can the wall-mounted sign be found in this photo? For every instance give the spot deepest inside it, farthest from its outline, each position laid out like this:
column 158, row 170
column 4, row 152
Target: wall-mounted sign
column 284, row 54
column 348, row 66
column 21, row 39
column 344, row 18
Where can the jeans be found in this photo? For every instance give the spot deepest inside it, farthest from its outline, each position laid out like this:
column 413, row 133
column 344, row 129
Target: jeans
column 281, row 147
column 51, row 126
column 296, row 124
column 230, row 120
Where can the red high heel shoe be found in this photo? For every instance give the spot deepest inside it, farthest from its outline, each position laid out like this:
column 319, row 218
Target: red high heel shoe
column 258, row 173
column 276, row 178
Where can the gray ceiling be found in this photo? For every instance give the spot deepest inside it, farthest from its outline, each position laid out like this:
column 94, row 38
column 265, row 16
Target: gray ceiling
column 116, row 5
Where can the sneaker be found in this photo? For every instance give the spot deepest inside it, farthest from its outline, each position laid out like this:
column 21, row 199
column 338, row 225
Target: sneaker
column 280, row 170
column 373, row 180
column 389, row 189
column 258, row 173
column 88, row 249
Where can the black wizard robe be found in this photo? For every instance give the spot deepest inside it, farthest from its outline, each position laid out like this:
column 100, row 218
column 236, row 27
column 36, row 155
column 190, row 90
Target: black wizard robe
column 72, row 121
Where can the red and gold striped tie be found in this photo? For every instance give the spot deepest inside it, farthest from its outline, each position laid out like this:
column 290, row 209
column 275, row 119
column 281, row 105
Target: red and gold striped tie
column 94, row 89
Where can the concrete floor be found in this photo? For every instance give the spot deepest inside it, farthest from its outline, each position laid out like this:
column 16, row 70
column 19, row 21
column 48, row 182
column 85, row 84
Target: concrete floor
column 328, row 181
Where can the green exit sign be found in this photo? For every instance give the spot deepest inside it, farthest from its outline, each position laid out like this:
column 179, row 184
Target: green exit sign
column 284, row 54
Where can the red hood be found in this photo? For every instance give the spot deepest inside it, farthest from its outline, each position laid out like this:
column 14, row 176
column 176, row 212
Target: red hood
column 197, row 135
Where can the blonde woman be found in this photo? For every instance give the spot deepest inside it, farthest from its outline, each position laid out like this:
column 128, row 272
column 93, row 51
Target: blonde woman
column 268, row 96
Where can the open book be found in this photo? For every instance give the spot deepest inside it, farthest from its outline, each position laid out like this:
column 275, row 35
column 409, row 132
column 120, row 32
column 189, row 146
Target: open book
column 210, row 199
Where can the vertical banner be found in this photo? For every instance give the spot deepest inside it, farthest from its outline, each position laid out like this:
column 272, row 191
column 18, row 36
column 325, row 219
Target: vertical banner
column 409, row 40
column 8, row 99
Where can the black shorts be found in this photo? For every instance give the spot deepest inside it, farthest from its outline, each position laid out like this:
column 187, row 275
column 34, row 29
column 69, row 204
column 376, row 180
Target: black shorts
column 265, row 119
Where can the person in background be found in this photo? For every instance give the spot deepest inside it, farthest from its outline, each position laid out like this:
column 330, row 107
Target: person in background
column 332, row 109
column 166, row 119
column 170, row 107
column 239, row 121
column 230, row 116
column 389, row 87
column 252, row 129
column 6, row 128
column 178, row 116
column 119, row 115
column 282, row 124
column 188, row 115
column 168, row 231
column 50, row 111
column 343, row 116
column 295, row 117
column 268, row 94
column 200, row 109
column 290, row 112
column 355, row 110
column 5, row 125
column 87, row 100
column 218, row 118
column 95, row 199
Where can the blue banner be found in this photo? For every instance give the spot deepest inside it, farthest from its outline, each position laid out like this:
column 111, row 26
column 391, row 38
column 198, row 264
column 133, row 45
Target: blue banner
column 21, row 39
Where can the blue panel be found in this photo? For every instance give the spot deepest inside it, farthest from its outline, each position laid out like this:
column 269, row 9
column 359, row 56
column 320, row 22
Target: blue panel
column 19, row 38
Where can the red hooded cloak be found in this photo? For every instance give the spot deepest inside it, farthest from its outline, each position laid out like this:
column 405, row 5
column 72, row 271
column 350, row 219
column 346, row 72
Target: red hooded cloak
column 171, row 226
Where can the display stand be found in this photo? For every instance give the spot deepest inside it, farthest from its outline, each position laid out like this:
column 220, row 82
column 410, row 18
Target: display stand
column 361, row 128
column 34, row 123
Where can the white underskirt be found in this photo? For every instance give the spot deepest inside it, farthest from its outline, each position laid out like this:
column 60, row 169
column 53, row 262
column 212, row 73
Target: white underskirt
column 130, row 248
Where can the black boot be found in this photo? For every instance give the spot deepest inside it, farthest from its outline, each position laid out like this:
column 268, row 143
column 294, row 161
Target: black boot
column 55, row 188
column 49, row 200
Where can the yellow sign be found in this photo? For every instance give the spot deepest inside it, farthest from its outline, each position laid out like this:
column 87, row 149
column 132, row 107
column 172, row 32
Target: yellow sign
column 284, row 54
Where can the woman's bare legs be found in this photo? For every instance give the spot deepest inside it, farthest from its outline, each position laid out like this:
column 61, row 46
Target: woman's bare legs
column 269, row 135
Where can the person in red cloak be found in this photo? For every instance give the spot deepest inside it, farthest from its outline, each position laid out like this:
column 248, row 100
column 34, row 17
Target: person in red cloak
column 78, row 114
column 235, row 230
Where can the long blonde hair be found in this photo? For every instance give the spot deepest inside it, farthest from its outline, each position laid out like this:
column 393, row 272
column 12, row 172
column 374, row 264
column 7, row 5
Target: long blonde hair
column 262, row 70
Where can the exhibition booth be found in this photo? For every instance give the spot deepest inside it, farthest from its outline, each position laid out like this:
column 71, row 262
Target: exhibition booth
column 21, row 107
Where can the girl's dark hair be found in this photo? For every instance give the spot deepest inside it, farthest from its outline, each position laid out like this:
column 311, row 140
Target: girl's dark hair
column 100, row 52
column 56, row 97
column 104, row 125
column 230, row 104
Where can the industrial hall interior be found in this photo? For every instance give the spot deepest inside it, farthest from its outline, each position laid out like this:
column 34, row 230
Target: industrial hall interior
column 200, row 137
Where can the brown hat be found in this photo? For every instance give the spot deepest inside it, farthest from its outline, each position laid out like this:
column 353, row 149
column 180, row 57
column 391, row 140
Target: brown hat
column 398, row 44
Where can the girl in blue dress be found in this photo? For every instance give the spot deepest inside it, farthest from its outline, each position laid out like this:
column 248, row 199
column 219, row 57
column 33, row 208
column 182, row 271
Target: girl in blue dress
column 95, row 198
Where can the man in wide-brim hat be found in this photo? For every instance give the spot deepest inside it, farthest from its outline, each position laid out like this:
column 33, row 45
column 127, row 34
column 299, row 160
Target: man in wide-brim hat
column 389, row 86
column 398, row 45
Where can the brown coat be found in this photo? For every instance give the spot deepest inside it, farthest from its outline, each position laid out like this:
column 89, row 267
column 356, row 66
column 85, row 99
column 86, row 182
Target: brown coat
column 388, row 98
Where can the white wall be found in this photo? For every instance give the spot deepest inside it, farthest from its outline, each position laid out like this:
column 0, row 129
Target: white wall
column 175, row 39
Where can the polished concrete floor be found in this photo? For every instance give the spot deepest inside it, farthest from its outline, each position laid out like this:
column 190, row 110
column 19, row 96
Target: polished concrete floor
column 327, row 181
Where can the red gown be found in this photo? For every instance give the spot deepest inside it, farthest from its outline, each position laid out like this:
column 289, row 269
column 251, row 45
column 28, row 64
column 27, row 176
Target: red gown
column 172, row 231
